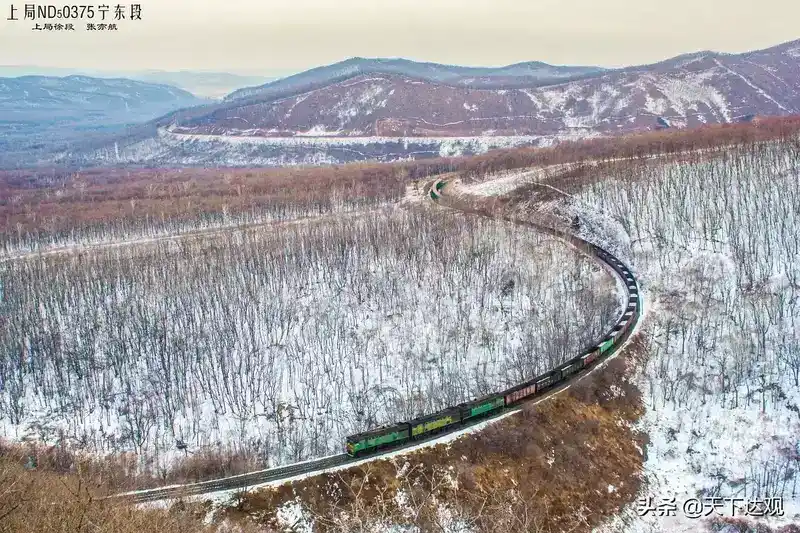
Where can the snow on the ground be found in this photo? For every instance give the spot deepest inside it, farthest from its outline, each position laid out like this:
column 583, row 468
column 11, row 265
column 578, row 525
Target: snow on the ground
column 502, row 184
column 292, row 515
column 224, row 497
column 237, row 148
column 236, row 342
column 716, row 243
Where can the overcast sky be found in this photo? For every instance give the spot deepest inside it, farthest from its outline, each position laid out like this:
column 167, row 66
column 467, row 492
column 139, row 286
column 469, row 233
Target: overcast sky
column 283, row 36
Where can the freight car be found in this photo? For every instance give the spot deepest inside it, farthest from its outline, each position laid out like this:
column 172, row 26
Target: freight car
column 454, row 417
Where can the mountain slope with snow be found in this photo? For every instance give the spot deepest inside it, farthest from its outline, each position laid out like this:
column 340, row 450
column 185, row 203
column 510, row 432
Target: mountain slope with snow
column 689, row 90
column 714, row 242
column 420, row 117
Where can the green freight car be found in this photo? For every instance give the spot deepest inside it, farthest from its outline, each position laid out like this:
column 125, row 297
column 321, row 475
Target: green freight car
column 605, row 346
column 377, row 439
column 449, row 419
column 482, row 406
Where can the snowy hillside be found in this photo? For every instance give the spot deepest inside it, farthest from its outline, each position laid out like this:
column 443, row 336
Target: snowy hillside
column 425, row 118
column 279, row 344
column 715, row 244
column 42, row 113
column 689, row 91
column 33, row 98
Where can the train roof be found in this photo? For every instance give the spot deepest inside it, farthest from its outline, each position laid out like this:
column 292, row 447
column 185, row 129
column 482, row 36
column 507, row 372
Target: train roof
column 432, row 416
column 380, row 431
column 482, row 399
column 546, row 375
column 568, row 362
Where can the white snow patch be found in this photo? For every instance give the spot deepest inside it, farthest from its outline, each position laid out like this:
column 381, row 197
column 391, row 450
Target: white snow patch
column 292, row 515
column 318, row 131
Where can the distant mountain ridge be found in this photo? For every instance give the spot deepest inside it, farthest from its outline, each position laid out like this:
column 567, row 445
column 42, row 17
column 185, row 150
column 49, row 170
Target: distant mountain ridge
column 202, row 84
column 39, row 113
column 688, row 90
column 527, row 74
column 47, row 97
column 340, row 113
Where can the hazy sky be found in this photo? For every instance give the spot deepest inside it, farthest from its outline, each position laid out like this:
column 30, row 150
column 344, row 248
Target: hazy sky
column 282, row 36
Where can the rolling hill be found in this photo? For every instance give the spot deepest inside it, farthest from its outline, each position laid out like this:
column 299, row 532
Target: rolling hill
column 386, row 115
column 41, row 113
column 528, row 74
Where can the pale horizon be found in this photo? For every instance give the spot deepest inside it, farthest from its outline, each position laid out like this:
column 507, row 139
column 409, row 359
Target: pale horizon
column 274, row 38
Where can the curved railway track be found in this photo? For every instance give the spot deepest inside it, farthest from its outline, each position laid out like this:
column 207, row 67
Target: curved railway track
column 613, row 340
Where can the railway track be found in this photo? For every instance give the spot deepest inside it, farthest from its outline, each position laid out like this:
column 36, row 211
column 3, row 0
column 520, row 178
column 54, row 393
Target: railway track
column 235, row 482
column 251, row 479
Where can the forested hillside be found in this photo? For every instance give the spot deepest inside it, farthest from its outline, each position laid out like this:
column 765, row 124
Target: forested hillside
column 208, row 326
column 279, row 342
column 713, row 238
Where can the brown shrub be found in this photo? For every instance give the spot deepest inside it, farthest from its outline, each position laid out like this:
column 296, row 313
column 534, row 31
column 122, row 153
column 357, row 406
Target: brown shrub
column 104, row 474
column 52, row 200
column 206, row 465
column 40, row 501
column 116, row 473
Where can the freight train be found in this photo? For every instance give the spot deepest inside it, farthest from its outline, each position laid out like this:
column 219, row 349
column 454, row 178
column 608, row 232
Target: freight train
column 453, row 417
column 436, row 190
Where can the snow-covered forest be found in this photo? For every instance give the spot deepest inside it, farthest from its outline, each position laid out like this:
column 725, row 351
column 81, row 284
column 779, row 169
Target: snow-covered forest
column 715, row 241
column 18, row 243
column 279, row 342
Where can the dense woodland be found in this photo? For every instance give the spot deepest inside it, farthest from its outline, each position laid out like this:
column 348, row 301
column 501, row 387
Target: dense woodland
column 716, row 242
column 43, row 208
column 280, row 342
column 205, row 340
